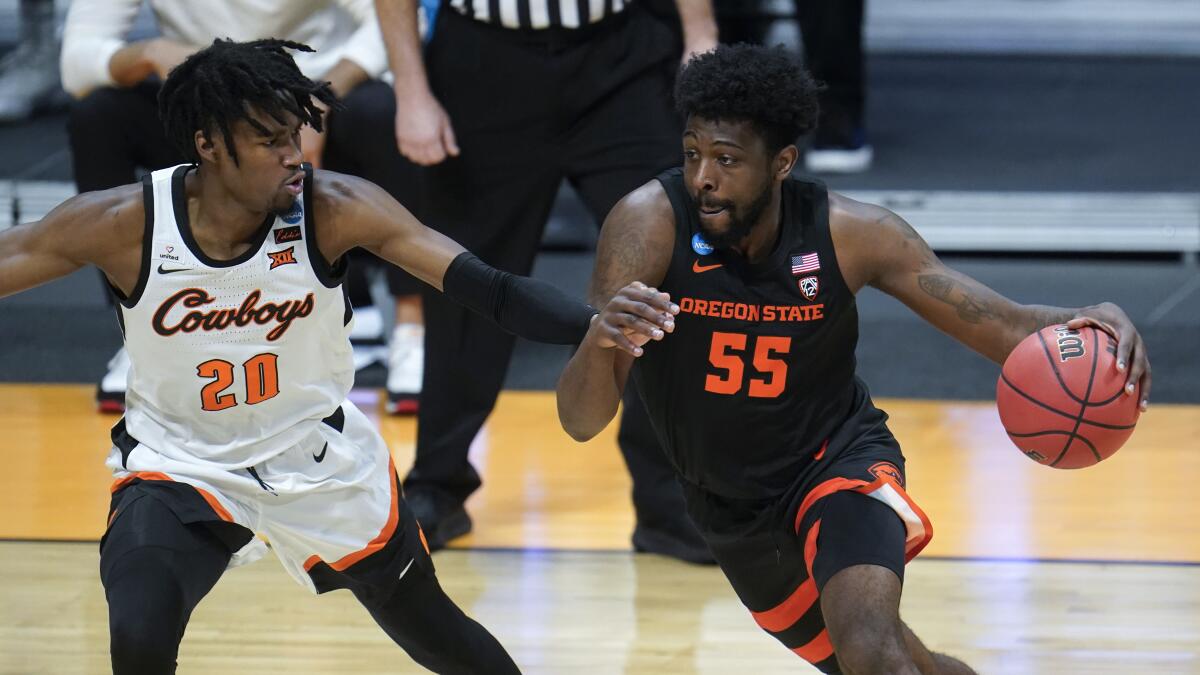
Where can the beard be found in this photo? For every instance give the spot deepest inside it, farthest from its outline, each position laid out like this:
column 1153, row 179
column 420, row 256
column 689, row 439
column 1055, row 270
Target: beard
column 741, row 220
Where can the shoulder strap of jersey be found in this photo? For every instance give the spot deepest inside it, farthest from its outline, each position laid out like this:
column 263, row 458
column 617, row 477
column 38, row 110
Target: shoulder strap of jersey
column 672, row 182
column 329, row 275
column 147, row 244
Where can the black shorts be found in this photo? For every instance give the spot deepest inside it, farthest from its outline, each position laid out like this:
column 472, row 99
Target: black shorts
column 778, row 554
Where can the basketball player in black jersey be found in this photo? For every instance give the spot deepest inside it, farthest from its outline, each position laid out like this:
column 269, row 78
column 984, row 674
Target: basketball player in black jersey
column 788, row 469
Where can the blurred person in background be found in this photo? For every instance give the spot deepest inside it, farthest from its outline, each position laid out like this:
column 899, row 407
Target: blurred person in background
column 29, row 73
column 509, row 98
column 832, row 33
column 114, row 130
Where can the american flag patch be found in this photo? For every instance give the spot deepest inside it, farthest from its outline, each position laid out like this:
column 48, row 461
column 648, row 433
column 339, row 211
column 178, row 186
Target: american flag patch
column 802, row 264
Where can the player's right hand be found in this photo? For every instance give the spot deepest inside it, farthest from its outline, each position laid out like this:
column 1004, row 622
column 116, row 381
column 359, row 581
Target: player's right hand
column 634, row 316
column 423, row 130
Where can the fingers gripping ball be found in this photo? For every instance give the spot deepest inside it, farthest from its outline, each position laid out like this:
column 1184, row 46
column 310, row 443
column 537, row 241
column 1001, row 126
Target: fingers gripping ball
column 1062, row 400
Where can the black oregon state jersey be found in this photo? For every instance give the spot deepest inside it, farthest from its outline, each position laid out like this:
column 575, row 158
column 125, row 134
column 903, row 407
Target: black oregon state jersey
column 759, row 371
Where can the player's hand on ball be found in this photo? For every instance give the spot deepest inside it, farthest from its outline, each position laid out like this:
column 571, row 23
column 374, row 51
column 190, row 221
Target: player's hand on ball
column 636, row 315
column 1131, row 350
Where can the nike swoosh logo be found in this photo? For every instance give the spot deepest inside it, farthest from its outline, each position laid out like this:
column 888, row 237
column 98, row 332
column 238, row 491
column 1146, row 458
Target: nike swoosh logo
column 321, row 456
column 405, row 570
column 163, row 270
column 698, row 268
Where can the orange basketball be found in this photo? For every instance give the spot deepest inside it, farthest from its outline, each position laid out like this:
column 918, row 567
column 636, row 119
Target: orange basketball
column 1062, row 400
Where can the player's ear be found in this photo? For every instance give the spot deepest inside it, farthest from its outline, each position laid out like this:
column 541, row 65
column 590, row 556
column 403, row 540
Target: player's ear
column 785, row 159
column 206, row 148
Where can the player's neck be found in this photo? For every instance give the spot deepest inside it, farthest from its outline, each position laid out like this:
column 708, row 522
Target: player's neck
column 215, row 214
column 757, row 245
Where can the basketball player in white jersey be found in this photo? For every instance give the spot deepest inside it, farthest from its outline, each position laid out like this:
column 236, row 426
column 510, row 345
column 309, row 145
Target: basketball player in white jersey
column 228, row 273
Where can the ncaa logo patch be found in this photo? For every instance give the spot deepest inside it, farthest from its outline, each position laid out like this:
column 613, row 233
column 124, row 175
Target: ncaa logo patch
column 700, row 246
column 293, row 214
column 809, row 287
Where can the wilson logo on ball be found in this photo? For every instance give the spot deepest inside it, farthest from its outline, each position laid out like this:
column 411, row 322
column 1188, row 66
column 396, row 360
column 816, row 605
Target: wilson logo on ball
column 1070, row 344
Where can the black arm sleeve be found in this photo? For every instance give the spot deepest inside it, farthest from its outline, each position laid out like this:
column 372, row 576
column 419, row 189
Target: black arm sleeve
column 534, row 310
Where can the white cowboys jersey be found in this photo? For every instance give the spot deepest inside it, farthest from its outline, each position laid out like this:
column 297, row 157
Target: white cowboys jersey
column 233, row 361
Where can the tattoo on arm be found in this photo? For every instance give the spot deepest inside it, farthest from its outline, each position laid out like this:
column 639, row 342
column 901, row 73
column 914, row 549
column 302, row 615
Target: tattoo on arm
column 1040, row 316
column 971, row 307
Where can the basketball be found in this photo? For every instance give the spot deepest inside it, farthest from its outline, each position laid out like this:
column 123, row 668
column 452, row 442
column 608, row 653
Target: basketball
column 1061, row 398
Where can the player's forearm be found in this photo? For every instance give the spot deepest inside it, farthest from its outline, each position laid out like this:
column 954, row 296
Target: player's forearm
column 976, row 315
column 588, row 392
column 131, row 64
column 1026, row 320
column 398, row 23
column 698, row 23
column 344, row 76
column 528, row 308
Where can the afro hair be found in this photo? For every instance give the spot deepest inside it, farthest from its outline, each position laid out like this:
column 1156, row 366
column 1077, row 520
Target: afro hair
column 765, row 86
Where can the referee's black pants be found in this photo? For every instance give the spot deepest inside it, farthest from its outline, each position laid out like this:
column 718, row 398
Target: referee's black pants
column 530, row 109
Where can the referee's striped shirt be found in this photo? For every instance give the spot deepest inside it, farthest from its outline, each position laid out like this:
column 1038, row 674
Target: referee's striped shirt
column 539, row 14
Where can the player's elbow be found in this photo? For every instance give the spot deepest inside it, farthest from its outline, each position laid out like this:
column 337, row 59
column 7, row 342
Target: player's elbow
column 580, row 435
column 580, row 429
column 581, row 421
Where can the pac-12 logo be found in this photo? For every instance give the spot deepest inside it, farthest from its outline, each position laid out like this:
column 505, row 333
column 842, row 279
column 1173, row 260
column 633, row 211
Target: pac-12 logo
column 1070, row 344
column 700, row 246
column 293, row 214
column 809, row 287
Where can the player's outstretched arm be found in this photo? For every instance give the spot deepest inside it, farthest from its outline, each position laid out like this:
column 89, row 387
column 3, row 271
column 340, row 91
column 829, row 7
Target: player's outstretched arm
column 100, row 228
column 878, row 248
column 634, row 250
column 354, row 212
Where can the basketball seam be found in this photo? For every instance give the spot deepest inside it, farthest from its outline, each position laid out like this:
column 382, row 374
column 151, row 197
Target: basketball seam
column 1083, row 406
column 1034, row 434
column 1056, row 411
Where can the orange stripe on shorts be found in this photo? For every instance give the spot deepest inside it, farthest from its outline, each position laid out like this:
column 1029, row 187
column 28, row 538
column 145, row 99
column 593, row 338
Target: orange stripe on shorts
column 380, row 540
column 215, row 505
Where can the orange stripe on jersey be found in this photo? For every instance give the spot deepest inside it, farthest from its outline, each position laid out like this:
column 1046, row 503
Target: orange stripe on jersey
column 810, row 549
column 881, row 488
column 784, row 615
column 824, row 490
column 215, row 505
column 817, row 650
column 144, row 475
column 381, row 539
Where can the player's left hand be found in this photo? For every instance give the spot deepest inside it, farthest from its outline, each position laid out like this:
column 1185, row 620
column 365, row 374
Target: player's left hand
column 634, row 316
column 1131, row 349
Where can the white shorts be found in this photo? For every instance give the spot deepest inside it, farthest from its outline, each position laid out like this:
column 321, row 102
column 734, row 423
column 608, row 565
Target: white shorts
column 326, row 504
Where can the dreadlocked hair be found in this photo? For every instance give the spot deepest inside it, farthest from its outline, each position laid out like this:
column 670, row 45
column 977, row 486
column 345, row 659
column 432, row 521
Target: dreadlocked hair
column 764, row 86
column 219, row 85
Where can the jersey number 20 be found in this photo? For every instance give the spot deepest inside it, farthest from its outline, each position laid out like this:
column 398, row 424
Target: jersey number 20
column 723, row 354
column 262, row 381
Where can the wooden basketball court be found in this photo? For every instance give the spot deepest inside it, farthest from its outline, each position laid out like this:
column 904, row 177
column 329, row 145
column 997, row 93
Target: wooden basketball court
column 1031, row 570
